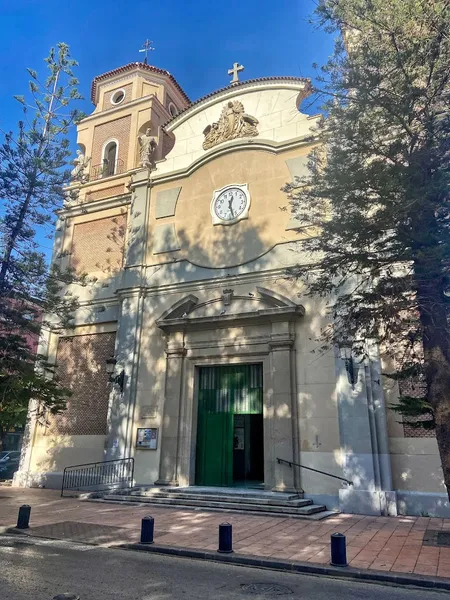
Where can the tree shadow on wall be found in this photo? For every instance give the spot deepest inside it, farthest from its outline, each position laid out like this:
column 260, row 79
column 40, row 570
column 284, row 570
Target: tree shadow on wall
column 105, row 251
column 81, row 366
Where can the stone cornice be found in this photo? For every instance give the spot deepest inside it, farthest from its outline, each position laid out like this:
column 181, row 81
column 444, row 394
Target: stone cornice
column 112, row 178
column 233, row 146
column 299, row 84
column 264, row 316
column 95, row 206
column 135, row 67
column 281, row 342
column 175, row 352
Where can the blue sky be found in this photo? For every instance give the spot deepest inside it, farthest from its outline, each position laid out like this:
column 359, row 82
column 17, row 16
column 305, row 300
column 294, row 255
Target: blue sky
column 197, row 41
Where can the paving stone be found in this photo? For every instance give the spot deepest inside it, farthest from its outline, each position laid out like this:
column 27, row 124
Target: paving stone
column 378, row 543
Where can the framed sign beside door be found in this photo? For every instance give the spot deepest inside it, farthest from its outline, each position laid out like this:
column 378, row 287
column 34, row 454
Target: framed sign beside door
column 147, row 438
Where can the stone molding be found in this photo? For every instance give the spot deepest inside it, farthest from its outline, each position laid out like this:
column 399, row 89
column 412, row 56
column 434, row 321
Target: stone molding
column 279, row 342
column 277, row 309
column 235, row 145
column 95, row 206
column 297, row 85
column 260, row 316
column 173, row 352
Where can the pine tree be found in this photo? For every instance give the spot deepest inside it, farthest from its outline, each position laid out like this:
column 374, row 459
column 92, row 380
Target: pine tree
column 376, row 206
column 33, row 175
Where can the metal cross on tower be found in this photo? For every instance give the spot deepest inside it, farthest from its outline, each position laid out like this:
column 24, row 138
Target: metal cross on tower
column 146, row 46
column 234, row 71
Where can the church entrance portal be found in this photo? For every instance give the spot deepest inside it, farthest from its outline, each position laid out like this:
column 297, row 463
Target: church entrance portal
column 230, row 448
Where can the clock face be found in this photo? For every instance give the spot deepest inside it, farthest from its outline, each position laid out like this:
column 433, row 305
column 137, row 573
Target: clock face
column 230, row 204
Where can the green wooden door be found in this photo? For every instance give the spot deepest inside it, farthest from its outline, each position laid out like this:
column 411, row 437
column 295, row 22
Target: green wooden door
column 223, row 392
column 214, row 454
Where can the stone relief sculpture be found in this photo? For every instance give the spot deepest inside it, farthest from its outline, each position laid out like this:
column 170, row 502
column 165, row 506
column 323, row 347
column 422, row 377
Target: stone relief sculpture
column 148, row 146
column 80, row 165
column 233, row 123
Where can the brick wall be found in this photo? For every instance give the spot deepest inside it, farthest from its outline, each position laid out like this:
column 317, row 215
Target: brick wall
column 107, row 97
column 118, row 129
column 82, row 368
column 109, row 192
column 98, row 245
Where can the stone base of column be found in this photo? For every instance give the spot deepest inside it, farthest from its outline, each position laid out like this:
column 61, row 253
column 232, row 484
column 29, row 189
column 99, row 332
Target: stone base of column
column 285, row 490
column 167, row 482
column 365, row 502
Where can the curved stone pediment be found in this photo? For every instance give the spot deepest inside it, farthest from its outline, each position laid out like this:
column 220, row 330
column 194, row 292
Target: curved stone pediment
column 228, row 308
column 268, row 109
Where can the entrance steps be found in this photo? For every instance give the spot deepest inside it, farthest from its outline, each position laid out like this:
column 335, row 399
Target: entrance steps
column 237, row 500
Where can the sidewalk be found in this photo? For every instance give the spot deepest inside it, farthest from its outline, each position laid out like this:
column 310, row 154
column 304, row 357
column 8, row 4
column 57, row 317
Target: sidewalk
column 395, row 544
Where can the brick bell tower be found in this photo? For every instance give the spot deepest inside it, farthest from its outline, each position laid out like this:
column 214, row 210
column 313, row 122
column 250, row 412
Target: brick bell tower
column 131, row 102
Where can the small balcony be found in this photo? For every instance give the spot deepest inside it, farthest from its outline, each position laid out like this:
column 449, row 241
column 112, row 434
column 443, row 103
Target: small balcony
column 107, row 169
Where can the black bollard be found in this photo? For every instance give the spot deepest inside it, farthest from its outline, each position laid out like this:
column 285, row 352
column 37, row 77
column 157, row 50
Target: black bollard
column 338, row 550
column 23, row 518
column 225, row 538
column 147, row 529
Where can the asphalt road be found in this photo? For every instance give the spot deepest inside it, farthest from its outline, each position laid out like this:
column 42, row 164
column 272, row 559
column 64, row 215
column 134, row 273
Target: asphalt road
column 37, row 569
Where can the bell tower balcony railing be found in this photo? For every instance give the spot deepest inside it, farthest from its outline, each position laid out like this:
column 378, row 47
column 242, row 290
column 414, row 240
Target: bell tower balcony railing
column 106, row 169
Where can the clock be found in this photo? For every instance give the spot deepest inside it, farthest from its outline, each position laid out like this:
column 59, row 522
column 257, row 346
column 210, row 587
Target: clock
column 230, row 204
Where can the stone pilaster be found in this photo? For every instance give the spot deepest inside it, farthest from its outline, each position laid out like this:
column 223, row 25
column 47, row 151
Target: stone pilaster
column 170, row 430
column 281, row 418
column 119, row 440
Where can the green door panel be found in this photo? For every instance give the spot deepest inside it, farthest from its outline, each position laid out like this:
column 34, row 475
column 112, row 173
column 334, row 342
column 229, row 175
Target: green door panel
column 214, row 453
column 223, row 392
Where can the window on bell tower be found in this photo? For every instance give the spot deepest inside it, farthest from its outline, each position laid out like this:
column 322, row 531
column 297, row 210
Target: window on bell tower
column 109, row 162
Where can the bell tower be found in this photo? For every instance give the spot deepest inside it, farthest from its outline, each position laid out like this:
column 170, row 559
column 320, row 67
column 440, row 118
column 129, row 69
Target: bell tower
column 131, row 103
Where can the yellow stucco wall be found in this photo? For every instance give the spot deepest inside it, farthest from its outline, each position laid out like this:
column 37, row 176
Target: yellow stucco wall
column 216, row 246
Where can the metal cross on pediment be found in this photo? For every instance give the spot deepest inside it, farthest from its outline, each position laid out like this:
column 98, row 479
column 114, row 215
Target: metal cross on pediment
column 146, row 47
column 235, row 72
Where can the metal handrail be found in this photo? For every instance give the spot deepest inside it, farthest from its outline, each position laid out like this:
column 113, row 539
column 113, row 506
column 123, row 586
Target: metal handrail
column 291, row 464
column 104, row 169
column 99, row 475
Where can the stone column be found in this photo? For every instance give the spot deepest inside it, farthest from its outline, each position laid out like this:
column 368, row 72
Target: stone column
column 280, row 416
column 170, row 430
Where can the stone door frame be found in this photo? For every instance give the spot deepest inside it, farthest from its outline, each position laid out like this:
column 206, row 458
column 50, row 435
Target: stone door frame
column 272, row 346
column 187, row 465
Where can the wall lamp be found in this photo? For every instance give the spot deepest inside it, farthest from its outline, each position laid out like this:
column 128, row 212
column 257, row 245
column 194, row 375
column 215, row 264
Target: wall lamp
column 119, row 379
column 345, row 352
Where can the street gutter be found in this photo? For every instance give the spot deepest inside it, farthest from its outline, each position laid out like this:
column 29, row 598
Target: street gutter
column 366, row 575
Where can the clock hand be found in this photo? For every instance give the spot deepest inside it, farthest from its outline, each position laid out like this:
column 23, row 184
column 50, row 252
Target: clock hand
column 230, row 206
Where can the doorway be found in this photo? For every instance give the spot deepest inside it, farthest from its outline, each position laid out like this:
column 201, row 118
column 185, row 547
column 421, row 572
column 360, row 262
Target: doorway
column 230, row 442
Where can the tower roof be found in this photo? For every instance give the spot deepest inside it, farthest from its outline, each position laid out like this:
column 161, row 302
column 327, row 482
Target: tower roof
column 135, row 66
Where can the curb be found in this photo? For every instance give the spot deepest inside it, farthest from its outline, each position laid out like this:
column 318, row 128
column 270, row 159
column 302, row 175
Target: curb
column 436, row 583
column 368, row 575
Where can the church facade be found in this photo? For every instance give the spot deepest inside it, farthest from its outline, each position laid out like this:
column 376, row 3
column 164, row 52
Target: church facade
column 177, row 215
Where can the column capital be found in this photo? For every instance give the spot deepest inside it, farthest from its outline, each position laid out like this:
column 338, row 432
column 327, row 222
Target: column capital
column 281, row 341
column 175, row 351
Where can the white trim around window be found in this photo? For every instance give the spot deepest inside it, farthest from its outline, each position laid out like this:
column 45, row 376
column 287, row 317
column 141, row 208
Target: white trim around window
column 105, row 145
column 115, row 94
